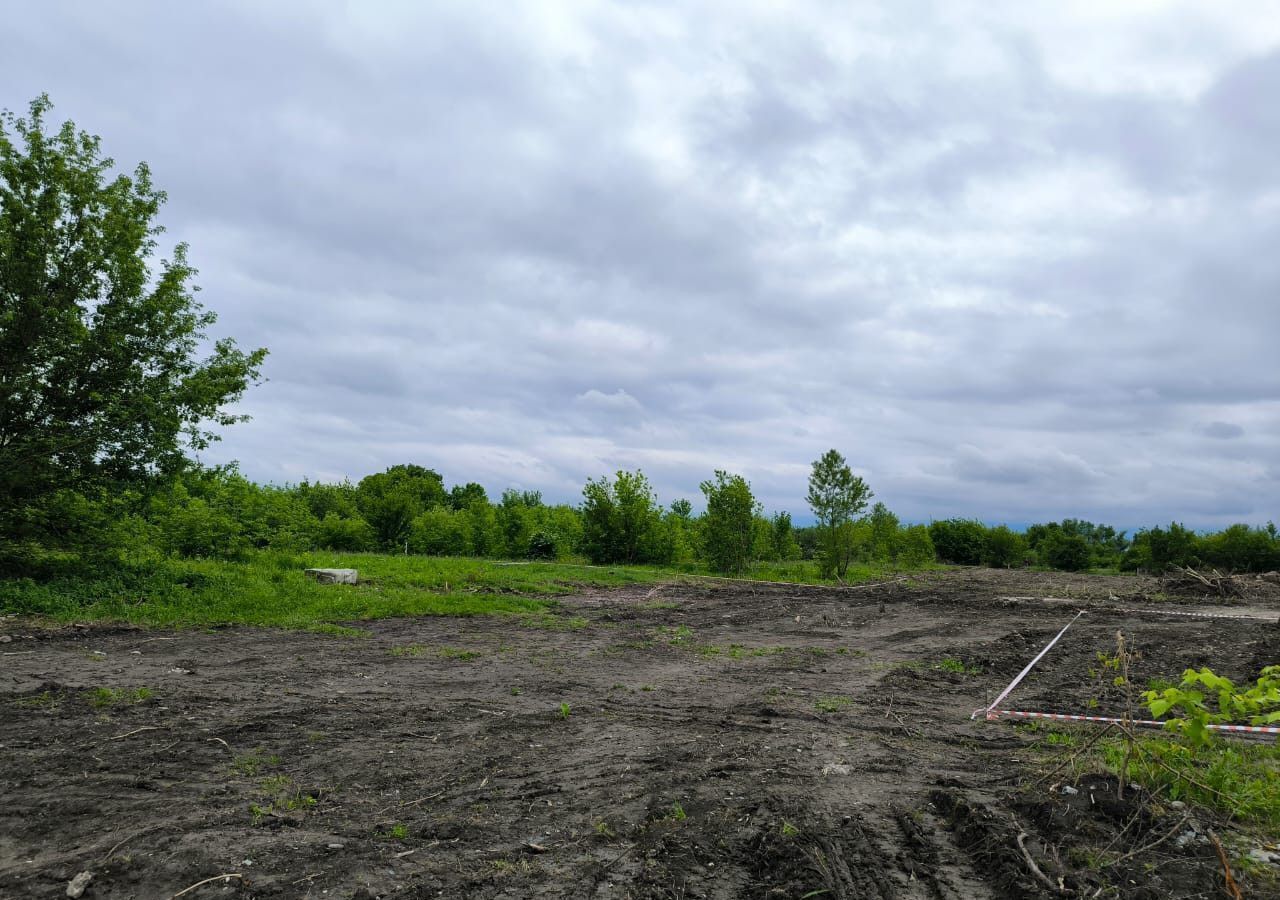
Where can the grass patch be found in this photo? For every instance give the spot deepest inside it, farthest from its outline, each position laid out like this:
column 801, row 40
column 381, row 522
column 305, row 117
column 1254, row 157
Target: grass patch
column 251, row 763
column 43, row 700
column 110, row 698
column 416, row 650
column 958, row 666
column 269, row 588
column 281, row 795
column 1241, row 780
column 832, row 704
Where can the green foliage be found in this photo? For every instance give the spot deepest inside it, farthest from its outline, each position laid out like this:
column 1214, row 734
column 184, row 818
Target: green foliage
column 882, row 533
column 621, row 520
column 391, row 500
column 835, row 495
column 461, row 496
column 729, row 522
column 1239, row 780
column 270, row 589
column 1258, row 704
column 334, row 532
column 1075, row 545
column 441, row 531
column 1005, row 548
column 959, row 541
column 915, row 547
column 1158, row 549
column 1240, row 548
column 101, row 381
column 782, row 539
column 1069, row 552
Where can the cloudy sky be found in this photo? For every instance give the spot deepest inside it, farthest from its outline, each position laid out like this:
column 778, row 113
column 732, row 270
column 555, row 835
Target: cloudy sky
column 1016, row 260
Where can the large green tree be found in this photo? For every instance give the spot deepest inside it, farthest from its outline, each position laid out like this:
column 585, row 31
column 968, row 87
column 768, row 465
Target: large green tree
column 106, row 374
column 391, row 500
column 836, row 496
column 621, row 520
column 729, row 522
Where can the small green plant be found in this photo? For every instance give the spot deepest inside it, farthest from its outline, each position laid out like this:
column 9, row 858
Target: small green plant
column 106, row 698
column 253, row 762
column 958, row 666
column 677, row 813
column 832, row 704
column 397, row 832
column 1258, row 704
column 459, row 653
column 565, row 710
column 409, row 650
column 43, row 700
column 340, row 630
column 789, row 830
column 515, row 692
column 647, row 687
column 681, row 634
column 281, row 795
column 603, row 829
column 1060, row 739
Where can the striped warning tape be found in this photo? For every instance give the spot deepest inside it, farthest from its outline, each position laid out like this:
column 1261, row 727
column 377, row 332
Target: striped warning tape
column 1194, row 615
column 993, row 714
column 1101, row 607
column 1029, row 666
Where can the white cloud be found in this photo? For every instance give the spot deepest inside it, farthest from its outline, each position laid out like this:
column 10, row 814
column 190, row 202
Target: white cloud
column 1015, row 260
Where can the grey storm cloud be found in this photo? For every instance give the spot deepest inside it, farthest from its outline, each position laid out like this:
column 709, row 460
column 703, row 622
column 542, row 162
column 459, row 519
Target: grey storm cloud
column 1015, row 260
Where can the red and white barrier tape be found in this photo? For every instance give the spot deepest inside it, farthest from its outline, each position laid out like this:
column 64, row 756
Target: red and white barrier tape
column 993, row 714
column 1100, row 607
column 1194, row 615
column 1023, row 674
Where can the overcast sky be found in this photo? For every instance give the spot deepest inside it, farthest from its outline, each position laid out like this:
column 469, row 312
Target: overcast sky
column 1016, row 260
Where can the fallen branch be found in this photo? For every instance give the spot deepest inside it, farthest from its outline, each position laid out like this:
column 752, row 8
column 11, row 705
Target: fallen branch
column 124, row 841
column 1232, row 888
column 1031, row 864
column 186, row 890
column 1151, row 846
column 135, row 731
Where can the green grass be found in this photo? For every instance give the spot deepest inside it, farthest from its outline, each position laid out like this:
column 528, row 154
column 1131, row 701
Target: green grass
column 254, row 761
column 109, row 698
column 805, row 571
column 270, row 589
column 832, row 704
column 1239, row 779
column 957, row 666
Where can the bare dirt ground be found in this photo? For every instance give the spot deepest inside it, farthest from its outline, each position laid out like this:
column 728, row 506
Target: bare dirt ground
column 716, row 740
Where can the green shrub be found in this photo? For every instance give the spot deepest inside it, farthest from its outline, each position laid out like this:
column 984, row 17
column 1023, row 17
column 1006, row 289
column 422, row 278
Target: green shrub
column 959, row 541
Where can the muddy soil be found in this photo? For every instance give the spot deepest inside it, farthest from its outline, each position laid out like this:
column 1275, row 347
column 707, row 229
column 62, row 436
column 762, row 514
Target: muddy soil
column 699, row 739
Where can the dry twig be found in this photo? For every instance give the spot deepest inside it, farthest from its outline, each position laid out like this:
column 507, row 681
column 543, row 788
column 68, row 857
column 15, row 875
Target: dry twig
column 117, row 737
column 226, row 875
column 1031, row 864
column 1230, row 882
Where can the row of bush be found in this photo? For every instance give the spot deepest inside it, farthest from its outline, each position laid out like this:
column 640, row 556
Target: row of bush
column 217, row 513
column 1076, row 546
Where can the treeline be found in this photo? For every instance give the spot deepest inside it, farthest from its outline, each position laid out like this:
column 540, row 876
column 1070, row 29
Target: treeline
column 218, row 513
column 1075, row 545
